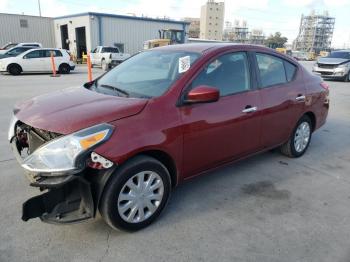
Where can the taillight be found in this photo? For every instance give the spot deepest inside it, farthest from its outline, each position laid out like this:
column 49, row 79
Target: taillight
column 325, row 85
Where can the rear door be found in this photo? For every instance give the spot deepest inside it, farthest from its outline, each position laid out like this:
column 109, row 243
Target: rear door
column 282, row 95
column 218, row 132
column 58, row 59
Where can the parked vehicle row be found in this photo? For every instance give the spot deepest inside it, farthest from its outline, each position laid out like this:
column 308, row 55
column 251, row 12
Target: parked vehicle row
column 161, row 117
column 37, row 60
column 11, row 45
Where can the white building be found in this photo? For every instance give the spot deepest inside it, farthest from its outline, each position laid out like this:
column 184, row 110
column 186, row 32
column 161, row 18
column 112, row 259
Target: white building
column 212, row 20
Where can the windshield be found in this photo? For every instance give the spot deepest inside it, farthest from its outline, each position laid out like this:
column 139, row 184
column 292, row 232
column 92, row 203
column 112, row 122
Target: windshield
column 146, row 75
column 345, row 55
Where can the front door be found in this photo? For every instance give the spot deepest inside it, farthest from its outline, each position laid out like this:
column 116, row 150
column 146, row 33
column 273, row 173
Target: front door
column 221, row 131
column 33, row 61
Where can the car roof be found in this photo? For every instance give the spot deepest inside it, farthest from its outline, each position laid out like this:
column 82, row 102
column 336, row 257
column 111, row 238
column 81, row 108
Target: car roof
column 205, row 47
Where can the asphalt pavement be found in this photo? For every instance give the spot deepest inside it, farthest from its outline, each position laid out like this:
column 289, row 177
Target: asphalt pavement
column 266, row 208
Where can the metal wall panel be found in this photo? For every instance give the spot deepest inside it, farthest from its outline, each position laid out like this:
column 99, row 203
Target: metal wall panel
column 39, row 29
column 132, row 33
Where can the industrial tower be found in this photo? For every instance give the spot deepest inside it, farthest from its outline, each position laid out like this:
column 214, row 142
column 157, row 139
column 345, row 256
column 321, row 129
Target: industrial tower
column 315, row 33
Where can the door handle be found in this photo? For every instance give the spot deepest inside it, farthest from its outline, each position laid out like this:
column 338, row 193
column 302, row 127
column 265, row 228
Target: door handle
column 300, row 98
column 249, row 109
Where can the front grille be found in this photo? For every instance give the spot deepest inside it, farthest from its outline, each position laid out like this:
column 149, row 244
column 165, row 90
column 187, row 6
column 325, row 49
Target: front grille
column 326, row 73
column 326, row 66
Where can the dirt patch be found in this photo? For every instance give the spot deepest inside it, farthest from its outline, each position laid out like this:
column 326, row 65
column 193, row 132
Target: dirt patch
column 265, row 189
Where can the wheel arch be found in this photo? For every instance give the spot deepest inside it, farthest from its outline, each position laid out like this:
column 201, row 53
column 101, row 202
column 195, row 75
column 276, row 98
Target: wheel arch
column 14, row 64
column 166, row 160
column 312, row 117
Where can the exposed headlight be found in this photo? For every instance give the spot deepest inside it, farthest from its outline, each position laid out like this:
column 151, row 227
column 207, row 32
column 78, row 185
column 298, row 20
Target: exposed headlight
column 11, row 132
column 65, row 153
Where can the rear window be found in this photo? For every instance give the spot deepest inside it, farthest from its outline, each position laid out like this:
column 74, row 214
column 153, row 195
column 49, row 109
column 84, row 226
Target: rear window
column 110, row 50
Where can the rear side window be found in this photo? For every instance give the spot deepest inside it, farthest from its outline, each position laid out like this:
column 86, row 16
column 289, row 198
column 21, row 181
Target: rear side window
column 229, row 73
column 55, row 53
column 290, row 70
column 271, row 70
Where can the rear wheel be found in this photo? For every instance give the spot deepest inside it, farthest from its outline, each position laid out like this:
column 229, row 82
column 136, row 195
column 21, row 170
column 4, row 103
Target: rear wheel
column 136, row 194
column 64, row 69
column 14, row 69
column 299, row 140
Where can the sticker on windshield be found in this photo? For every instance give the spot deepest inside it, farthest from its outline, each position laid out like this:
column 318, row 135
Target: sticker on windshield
column 184, row 64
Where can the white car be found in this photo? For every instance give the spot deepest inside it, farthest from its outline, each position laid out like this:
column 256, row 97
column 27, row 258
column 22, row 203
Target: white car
column 12, row 45
column 38, row 60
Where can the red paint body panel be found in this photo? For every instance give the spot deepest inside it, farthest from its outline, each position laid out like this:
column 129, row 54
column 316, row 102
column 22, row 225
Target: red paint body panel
column 72, row 109
column 197, row 137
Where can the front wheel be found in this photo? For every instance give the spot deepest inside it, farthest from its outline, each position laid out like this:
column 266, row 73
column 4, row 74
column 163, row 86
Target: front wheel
column 136, row 194
column 299, row 140
column 347, row 77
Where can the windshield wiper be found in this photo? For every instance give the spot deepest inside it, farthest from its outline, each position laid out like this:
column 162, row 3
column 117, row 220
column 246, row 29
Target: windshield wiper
column 117, row 89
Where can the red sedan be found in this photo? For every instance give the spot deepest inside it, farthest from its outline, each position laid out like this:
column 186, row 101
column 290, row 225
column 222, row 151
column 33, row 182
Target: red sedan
column 120, row 143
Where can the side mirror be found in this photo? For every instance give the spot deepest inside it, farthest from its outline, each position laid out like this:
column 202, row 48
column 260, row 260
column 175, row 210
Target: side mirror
column 202, row 94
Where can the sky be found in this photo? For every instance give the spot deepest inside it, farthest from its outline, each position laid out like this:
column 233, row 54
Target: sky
column 268, row 15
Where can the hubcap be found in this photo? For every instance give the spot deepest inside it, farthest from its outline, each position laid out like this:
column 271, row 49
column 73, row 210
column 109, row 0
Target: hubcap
column 140, row 197
column 302, row 136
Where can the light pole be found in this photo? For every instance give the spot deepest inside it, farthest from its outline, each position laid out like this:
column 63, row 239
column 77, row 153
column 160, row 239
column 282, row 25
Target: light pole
column 39, row 7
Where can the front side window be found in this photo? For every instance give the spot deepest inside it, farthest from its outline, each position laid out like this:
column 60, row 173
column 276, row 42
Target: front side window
column 271, row 70
column 34, row 54
column 229, row 73
column 148, row 74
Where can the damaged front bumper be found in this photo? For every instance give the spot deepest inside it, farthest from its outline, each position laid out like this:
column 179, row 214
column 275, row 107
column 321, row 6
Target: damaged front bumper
column 69, row 198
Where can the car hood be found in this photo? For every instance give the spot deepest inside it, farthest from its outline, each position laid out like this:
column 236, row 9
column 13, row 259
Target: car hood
column 72, row 109
column 3, row 51
column 332, row 61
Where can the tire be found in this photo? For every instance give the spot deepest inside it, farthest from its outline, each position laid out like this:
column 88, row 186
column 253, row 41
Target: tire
column 116, row 209
column 64, row 69
column 293, row 149
column 104, row 65
column 14, row 69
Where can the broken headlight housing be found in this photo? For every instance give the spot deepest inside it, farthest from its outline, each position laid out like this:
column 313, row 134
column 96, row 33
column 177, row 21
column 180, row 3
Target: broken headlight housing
column 67, row 153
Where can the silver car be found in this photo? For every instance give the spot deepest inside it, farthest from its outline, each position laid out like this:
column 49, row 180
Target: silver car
column 335, row 66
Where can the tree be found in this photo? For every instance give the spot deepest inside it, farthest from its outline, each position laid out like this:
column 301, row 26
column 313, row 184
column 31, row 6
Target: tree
column 276, row 40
